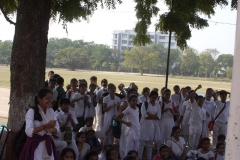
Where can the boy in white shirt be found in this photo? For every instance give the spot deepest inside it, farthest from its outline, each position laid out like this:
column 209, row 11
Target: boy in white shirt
column 81, row 101
column 222, row 108
column 70, row 93
column 197, row 118
column 51, row 85
column 67, row 120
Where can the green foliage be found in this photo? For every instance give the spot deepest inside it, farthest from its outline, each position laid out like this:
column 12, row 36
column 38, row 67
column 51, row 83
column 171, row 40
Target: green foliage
column 206, row 63
column 223, row 62
column 190, row 61
column 5, row 52
column 181, row 18
column 229, row 72
column 71, row 58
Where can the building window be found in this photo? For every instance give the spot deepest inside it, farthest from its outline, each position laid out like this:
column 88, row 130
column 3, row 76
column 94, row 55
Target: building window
column 131, row 36
column 124, row 41
column 115, row 42
column 115, row 36
column 123, row 48
column 130, row 43
column 173, row 38
column 152, row 36
column 124, row 35
column 172, row 44
column 161, row 37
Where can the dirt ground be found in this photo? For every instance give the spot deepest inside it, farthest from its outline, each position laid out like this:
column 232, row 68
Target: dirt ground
column 4, row 107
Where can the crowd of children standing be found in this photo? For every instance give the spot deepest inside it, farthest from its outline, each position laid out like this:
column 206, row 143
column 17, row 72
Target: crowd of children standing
column 85, row 119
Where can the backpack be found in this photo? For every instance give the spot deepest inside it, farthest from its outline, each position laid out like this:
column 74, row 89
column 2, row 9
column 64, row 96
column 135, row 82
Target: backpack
column 139, row 107
column 116, row 128
column 19, row 139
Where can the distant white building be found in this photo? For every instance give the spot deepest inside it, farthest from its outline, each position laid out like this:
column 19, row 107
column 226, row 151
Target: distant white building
column 123, row 39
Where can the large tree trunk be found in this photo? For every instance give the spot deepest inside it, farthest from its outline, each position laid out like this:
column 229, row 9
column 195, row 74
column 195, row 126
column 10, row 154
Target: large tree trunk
column 28, row 60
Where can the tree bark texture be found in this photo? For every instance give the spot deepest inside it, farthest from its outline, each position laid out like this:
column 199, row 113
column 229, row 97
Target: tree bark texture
column 28, row 60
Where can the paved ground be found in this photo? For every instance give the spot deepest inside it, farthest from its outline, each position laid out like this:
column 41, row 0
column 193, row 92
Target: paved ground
column 4, row 107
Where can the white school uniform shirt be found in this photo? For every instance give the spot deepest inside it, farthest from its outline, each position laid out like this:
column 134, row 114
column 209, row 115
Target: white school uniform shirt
column 142, row 99
column 208, row 155
column 220, row 157
column 197, row 115
column 99, row 94
column 41, row 151
column 186, row 113
column 55, row 94
column 176, row 98
column 79, row 105
column 223, row 117
column 71, row 98
column 209, row 107
column 133, row 117
column 62, row 117
column 90, row 112
column 178, row 148
column 111, row 112
column 149, row 128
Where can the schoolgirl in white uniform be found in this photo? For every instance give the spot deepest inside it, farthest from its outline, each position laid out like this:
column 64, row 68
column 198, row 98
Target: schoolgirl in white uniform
column 149, row 125
column 132, row 132
column 110, row 107
column 169, row 110
column 145, row 95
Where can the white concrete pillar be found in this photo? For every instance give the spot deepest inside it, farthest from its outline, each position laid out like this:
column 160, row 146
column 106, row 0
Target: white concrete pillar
column 233, row 133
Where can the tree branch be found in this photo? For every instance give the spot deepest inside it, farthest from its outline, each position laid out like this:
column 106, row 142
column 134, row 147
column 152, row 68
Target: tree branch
column 5, row 15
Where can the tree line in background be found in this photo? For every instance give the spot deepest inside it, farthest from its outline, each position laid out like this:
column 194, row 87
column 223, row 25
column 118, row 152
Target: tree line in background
column 78, row 54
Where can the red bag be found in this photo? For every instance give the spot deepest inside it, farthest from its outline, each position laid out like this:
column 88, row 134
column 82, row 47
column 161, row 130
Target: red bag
column 210, row 125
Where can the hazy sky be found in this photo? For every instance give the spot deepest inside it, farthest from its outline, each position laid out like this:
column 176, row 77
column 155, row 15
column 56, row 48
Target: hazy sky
column 103, row 22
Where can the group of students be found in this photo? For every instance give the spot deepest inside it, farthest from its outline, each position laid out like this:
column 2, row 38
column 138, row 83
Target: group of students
column 79, row 122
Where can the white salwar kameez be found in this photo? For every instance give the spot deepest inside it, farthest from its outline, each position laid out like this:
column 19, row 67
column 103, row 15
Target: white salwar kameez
column 122, row 140
column 149, row 129
column 186, row 112
column 166, row 122
column 209, row 107
column 108, row 116
column 132, row 133
column 98, row 120
column 41, row 152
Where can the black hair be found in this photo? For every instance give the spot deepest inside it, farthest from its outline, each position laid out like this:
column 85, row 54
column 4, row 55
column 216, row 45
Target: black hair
column 88, row 119
column 60, row 80
column 129, row 157
column 56, row 76
column 188, row 88
column 176, row 86
column 108, row 154
column 174, row 129
column 145, row 89
column 153, row 93
column 111, row 85
column 198, row 97
column 41, row 93
column 46, row 84
column 92, row 85
column 169, row 158
column 131, row 97
column 220, row 136
column 104, row 80
column 162, row 147
column 65, row 150
column 131, row 90
column 64, row 100
column 163, row 88
column 219, row 144
column 93, row 78
column 91, row 154
column 52, row 80
column 50, row 72
column 73, row 80
column 155, row 89
column 164, row 91
column 205, row 139
column 201, row 158
column 131, row 152
column 79, row 135
column 82, row 85
column 107, row 146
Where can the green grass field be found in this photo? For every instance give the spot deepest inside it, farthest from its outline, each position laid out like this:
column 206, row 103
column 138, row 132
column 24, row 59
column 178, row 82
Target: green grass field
column 151, row 81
